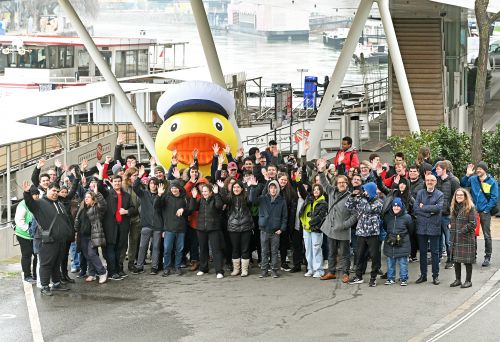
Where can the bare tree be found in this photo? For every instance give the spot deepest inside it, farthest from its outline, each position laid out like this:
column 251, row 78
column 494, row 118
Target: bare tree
column 484, row 22
column 35, row 8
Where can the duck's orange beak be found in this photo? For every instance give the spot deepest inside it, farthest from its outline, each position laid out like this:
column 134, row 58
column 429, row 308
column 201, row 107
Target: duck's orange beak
column 185, row 144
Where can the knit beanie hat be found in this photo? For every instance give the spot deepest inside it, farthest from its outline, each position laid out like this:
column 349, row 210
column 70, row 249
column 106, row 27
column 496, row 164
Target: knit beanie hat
column 116, row 168
column 483, row 166
column 159, row 168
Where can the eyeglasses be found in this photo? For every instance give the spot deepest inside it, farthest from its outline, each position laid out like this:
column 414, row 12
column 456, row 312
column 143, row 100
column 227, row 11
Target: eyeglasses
column 341, row 182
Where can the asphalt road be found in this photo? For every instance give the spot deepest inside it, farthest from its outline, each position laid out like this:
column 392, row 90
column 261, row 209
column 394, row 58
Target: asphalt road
column 291, row 308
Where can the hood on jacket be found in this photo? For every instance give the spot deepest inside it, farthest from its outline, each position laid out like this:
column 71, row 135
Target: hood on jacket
column 371, row 190
column 275, row 183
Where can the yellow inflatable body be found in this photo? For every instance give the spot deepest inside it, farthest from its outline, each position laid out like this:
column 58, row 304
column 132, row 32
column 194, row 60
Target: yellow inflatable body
column 196, row 117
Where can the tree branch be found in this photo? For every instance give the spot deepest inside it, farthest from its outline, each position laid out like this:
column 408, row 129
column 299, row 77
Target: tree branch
column 494, row 17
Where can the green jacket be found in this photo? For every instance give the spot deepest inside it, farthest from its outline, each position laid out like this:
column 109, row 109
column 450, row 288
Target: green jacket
column 23, row 219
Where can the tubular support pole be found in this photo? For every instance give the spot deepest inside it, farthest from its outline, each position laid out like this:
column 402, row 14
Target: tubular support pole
column 9, row 200
column 207, row 41
column 337, row 78
column 399, row 68
column 120, row 95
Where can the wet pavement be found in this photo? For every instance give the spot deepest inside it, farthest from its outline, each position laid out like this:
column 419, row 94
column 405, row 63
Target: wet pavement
column 192, row 308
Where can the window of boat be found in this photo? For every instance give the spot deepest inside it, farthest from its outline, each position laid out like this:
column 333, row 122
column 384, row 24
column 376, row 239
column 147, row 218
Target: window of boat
column 106, row 55
column 143, row 62
column 37, row 57
column 131, row 63
column 53, row 57
column 69, row 59
column 120, row 64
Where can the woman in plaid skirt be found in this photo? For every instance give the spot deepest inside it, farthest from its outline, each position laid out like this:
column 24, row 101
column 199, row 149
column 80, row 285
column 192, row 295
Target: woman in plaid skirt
column 462, row 225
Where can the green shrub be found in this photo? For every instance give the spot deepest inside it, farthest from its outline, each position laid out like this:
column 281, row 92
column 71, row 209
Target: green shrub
column 448, row 143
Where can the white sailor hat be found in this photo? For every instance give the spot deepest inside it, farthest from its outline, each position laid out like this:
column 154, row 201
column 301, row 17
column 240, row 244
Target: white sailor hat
column 196, row 96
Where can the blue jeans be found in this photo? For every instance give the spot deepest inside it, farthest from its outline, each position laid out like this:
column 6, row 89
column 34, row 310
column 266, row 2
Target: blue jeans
column 75, row 264
column 112, row 256
column 403, row 268
column 314, row 254
column 168, row 245
column 422, row 245
column 444, row 241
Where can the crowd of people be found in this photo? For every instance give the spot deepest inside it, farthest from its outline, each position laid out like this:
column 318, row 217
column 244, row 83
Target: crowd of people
column 253, row 209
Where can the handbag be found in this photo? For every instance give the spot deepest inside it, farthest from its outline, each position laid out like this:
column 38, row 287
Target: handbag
column 46, row 238
column 477, row 230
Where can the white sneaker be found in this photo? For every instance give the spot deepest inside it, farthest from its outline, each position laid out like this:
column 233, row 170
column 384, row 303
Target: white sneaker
column 103, row 278
column 200, row 273
column 317, row 275
column 220, row 276
column 308, row 274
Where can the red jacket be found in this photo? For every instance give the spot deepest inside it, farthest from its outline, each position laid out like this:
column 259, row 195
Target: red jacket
column 350, row 159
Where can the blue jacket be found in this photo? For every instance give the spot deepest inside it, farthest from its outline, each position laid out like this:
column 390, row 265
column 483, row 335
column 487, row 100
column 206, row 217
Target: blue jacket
column 490, row 187
column 273, row 214
column 429, row 216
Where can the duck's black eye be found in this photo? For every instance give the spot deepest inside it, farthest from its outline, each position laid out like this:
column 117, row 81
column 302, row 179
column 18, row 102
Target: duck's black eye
column 175, row 125
column 218, row 124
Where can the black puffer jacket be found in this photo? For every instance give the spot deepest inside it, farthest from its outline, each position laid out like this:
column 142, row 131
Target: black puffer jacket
column 209, row 212
column 238, row 212
column 168, row 204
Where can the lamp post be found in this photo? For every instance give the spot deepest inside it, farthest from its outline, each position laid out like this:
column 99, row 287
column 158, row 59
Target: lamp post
column 301, row 80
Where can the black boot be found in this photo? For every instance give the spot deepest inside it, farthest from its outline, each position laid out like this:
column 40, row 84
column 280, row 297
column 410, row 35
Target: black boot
column 468, row 276
column 458, row 275
column 66, row 278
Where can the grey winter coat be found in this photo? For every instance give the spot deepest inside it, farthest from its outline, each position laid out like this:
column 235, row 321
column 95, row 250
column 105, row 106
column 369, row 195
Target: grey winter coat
column 398, row 224
column 339, row 221
column 429, row 216
column 95, row 215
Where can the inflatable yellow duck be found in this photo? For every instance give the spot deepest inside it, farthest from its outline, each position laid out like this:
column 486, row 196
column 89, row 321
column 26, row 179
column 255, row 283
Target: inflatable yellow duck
column 195, row 115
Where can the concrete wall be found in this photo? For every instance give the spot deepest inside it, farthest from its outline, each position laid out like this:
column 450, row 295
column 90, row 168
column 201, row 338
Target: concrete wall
column 9, row 246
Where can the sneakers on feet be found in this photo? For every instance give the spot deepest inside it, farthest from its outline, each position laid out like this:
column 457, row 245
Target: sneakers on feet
column 404, row 283
column 372, row 283
column 46, row 291
column 90, row 279
column 486, row 262
column 154, row 271
column 136, row 270
column 448, row 265
column 274, row 274
column 30, row 280
column 220, row 276
column 166, row 273
column 178, row 271
column 285, row 267
column 200, row 273
column 308, row 274
column 123, row 274
column 356, row 280
column 115, row 277
column 295, row 269
column 317, row 275
column 103, row 278
column 263, row 274
column 59, row 287
column 389, row 282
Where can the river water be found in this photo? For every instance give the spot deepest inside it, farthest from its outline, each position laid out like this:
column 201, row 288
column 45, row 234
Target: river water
column 275, row 62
